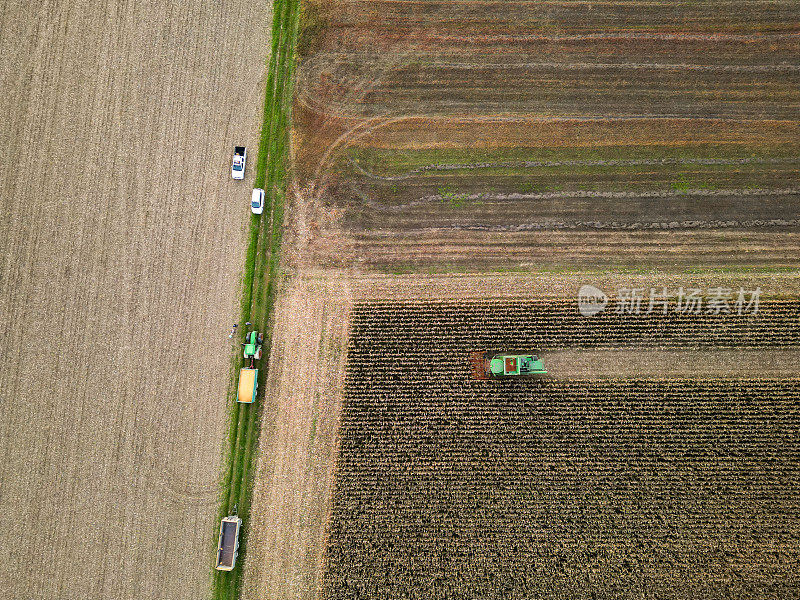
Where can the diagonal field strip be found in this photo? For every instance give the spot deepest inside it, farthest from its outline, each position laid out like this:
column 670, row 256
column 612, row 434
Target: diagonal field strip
column 261, row 271
column 533, row 164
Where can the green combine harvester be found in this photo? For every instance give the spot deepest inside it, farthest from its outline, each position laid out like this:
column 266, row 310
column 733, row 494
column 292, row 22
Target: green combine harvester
column 487, row 365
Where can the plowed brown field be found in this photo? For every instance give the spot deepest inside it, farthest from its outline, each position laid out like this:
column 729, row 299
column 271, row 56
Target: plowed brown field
column 552, row 133
column 122, row 238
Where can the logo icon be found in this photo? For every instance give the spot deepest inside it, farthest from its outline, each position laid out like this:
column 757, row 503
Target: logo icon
column 591, row 300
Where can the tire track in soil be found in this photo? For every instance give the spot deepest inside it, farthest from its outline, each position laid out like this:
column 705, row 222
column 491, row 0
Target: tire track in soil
column 271, row 175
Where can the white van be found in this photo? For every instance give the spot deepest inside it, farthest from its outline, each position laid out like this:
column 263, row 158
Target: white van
column 257, row 201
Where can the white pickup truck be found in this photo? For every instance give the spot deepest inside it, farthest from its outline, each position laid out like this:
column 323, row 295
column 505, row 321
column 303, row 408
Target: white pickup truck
column 239, row 162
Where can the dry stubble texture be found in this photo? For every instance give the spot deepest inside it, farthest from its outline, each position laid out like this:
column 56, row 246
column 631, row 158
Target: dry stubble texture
column 300, row 424
column 121, row 238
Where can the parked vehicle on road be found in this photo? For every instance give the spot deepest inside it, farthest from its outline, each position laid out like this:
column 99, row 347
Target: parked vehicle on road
column 257, row 201
column 239, row 162
column 228, row 547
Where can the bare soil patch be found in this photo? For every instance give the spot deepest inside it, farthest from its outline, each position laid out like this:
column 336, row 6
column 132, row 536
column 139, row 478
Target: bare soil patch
column 565, row 285
column 440, row 250
column 697, row 365
column 122, row 239
column 298, row 446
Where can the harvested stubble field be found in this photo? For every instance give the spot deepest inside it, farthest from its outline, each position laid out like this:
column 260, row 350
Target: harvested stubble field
column 448, row 123
column 299, row 434
column 453, row 488
column 122, row 239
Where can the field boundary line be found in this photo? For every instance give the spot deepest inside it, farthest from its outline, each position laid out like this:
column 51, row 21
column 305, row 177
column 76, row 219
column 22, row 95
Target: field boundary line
column 259, row 280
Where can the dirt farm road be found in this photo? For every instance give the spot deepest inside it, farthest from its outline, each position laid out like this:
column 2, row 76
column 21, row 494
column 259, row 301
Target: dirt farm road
column 122, row 240
column 674, row 364
column 299, row 436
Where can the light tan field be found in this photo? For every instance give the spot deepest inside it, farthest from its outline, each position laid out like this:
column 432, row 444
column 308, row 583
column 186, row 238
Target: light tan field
column 122, row 240
column 299, row 433
column 520, row 285
column 672, row 364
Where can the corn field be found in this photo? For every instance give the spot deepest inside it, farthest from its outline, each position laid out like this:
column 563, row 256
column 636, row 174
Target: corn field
column 449, row 487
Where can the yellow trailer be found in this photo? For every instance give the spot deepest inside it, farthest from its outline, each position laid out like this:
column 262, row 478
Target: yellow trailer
column 248, row 385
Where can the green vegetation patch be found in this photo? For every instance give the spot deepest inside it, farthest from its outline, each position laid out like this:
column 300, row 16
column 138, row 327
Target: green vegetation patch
column 259, row 282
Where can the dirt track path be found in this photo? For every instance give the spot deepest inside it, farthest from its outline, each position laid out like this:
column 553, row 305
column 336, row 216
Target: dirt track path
column 121, row 250
column 689, row 364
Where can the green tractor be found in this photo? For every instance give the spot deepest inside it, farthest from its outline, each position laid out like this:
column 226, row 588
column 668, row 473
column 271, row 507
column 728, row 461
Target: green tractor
column 252, row 346
column 487, row 365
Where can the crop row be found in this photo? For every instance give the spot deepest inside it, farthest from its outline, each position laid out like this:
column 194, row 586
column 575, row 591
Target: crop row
column 550, row 324
column 453, row 488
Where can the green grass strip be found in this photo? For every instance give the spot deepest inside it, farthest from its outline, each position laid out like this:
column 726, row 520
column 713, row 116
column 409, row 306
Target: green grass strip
column 260, row 278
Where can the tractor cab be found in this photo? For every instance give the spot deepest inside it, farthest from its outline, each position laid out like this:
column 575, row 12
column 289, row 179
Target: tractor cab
column 252, row 346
